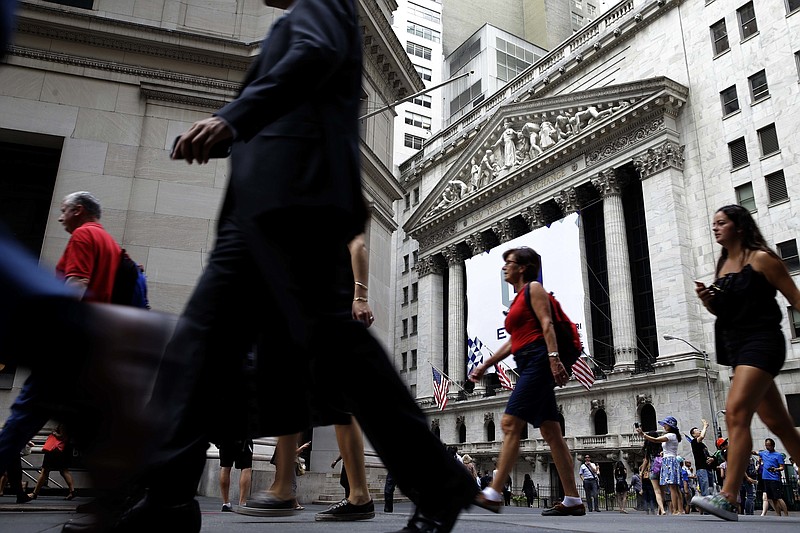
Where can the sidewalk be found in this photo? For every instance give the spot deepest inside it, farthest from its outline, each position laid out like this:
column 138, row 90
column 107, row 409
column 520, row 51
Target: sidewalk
column 47, row 514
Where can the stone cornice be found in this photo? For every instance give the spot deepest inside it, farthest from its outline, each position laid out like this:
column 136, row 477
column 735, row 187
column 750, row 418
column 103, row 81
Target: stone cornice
column 382, row 48
column 135, row 72
column 382, row 176
column 93, row 29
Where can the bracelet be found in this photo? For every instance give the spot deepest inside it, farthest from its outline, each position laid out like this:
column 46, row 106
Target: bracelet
column 360, row 299
column 361, row 285
column 553, row 355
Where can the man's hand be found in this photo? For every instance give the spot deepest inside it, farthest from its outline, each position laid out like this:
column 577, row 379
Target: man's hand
column 195, row 144
column 476, row 374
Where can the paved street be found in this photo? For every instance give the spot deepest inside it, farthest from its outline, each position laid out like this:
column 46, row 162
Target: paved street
column 47, row 514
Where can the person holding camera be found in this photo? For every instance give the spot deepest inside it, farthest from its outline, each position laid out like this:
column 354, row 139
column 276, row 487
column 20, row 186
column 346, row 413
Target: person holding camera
column 771, row 474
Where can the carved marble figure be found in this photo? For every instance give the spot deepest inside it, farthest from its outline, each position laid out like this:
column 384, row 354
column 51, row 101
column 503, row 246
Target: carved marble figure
column 489, row 168
column 531, row 131
column 508, row 140
column 548, row 135
column 475, row 175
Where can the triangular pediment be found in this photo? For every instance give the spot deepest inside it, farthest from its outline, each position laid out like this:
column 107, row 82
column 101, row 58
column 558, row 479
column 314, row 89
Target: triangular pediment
column 529, row 137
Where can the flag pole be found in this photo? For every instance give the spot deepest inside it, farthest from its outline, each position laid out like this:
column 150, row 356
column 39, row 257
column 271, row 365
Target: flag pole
column 448, row 377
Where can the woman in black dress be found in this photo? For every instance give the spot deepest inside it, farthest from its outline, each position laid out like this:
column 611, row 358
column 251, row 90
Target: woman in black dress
column 749, row 339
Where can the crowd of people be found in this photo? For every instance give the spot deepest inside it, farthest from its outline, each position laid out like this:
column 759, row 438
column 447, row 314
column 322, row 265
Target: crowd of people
column 309, row 71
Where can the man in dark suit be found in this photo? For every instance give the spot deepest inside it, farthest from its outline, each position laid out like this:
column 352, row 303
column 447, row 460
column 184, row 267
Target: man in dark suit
column 280, row 275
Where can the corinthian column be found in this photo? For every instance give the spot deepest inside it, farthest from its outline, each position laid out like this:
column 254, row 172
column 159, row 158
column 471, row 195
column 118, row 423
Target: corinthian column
column 456, row 330
column 620, row 288
column 429, row 341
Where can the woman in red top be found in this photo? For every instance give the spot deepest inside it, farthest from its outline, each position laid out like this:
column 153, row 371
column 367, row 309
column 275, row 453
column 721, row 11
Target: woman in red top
column 533, row 343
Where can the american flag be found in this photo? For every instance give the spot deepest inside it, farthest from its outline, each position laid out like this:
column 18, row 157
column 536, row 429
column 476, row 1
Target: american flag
column 505, row 381
column 583, row 372
column 441, row 386
column 475, row 356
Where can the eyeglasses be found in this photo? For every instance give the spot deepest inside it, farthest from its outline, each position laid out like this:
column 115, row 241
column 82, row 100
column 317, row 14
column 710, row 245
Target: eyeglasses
column 509, row 261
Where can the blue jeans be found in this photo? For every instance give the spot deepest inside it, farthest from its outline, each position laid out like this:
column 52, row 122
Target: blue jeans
column 747, row 494
column 592, row 495
column 26, row 419
column 704, row 479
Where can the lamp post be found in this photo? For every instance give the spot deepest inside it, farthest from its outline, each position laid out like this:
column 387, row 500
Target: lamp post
column 711, row 402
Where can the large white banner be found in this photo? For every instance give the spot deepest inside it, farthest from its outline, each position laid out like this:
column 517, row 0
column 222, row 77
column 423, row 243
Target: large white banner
column 488, row 295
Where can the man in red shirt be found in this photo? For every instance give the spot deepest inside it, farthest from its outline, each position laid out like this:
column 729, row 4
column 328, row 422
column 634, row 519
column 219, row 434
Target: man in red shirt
column 90, row 260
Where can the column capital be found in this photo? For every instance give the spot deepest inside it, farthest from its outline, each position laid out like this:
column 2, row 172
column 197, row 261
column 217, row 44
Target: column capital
column 533, row 216
column 429, row 265
column 655, row 160
column 477, row 243
column 454, row 255
column 608, row 183
column 503, row 230
column 567, row 200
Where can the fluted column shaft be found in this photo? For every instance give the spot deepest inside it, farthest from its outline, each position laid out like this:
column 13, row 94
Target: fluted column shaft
column 456, row 336
column 430, row 316
column 620, row 287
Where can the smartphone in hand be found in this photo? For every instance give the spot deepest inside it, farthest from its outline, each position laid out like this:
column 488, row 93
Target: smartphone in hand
column 220, row 150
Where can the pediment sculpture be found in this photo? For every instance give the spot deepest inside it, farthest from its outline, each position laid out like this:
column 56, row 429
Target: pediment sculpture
column 520, row 142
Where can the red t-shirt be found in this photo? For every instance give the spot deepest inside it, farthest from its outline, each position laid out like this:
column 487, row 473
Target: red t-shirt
column 91, row 253
column 522, row 324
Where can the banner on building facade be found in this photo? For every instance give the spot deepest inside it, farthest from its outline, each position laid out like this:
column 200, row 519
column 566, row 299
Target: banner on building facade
column 488, row 295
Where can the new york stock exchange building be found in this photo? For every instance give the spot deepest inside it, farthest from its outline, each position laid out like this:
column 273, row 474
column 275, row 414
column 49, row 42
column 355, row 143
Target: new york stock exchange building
column 608, row 156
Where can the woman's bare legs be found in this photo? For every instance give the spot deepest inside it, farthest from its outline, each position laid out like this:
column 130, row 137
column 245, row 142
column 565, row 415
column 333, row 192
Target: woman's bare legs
column 659, row 496
column 512, row 429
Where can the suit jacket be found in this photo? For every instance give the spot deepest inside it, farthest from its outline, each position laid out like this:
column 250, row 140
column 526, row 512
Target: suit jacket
column 296, row 120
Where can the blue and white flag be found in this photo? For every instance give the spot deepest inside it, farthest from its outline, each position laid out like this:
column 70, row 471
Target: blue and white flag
column 475, row 355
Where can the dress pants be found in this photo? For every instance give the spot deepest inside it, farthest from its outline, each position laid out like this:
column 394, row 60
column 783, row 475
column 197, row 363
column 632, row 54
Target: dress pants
column 592, row 495
column 311, row 352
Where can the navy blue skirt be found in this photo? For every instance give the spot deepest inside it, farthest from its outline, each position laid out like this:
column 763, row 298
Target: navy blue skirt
column 533, row 399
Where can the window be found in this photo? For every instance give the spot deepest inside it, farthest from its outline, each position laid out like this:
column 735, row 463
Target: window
column 719, row 36
column 797, row 62
column 418, row 50
column 416, row 201
column 414, row 325
column 85, row 4
column 758, row 86
column 591, row 10
column 414, row 291
column 413, row 390
column 745, row 196
column 747, row 20
column 578, row 4
column 423, row 99
column 788, row 252
column 405, row 263
column 412, row 141
column 794, row 324
column 776, row 187
column 426, row 33
column 404, row 359
column 407, row 200
column 490, row 431
column 768, row 138
column 415, row 255
column 738, row 152
column 405, row 295
column 577, row 19
column 420, row 121
column 405, row 327
column 413, row 359
column 424, row 13
column 730, row 100
column 792, row 5
column 424, row 73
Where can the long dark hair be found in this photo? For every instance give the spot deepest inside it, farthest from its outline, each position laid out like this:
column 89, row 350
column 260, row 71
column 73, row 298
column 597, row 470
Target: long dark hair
column 651, row 449
column 750, row 234
column 528, row 258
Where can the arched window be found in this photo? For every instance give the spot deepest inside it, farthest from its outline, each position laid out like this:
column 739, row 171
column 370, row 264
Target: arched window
column 490, row 431
column 462, row 433
column 648, row 418
column 600, row 422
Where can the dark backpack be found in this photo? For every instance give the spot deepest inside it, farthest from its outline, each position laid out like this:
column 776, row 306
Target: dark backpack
column 130, row 283
column 567, row 336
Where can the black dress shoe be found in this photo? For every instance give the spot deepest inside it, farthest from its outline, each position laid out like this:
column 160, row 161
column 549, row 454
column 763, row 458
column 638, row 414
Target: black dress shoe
column 144, row 515
column 442, row 523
